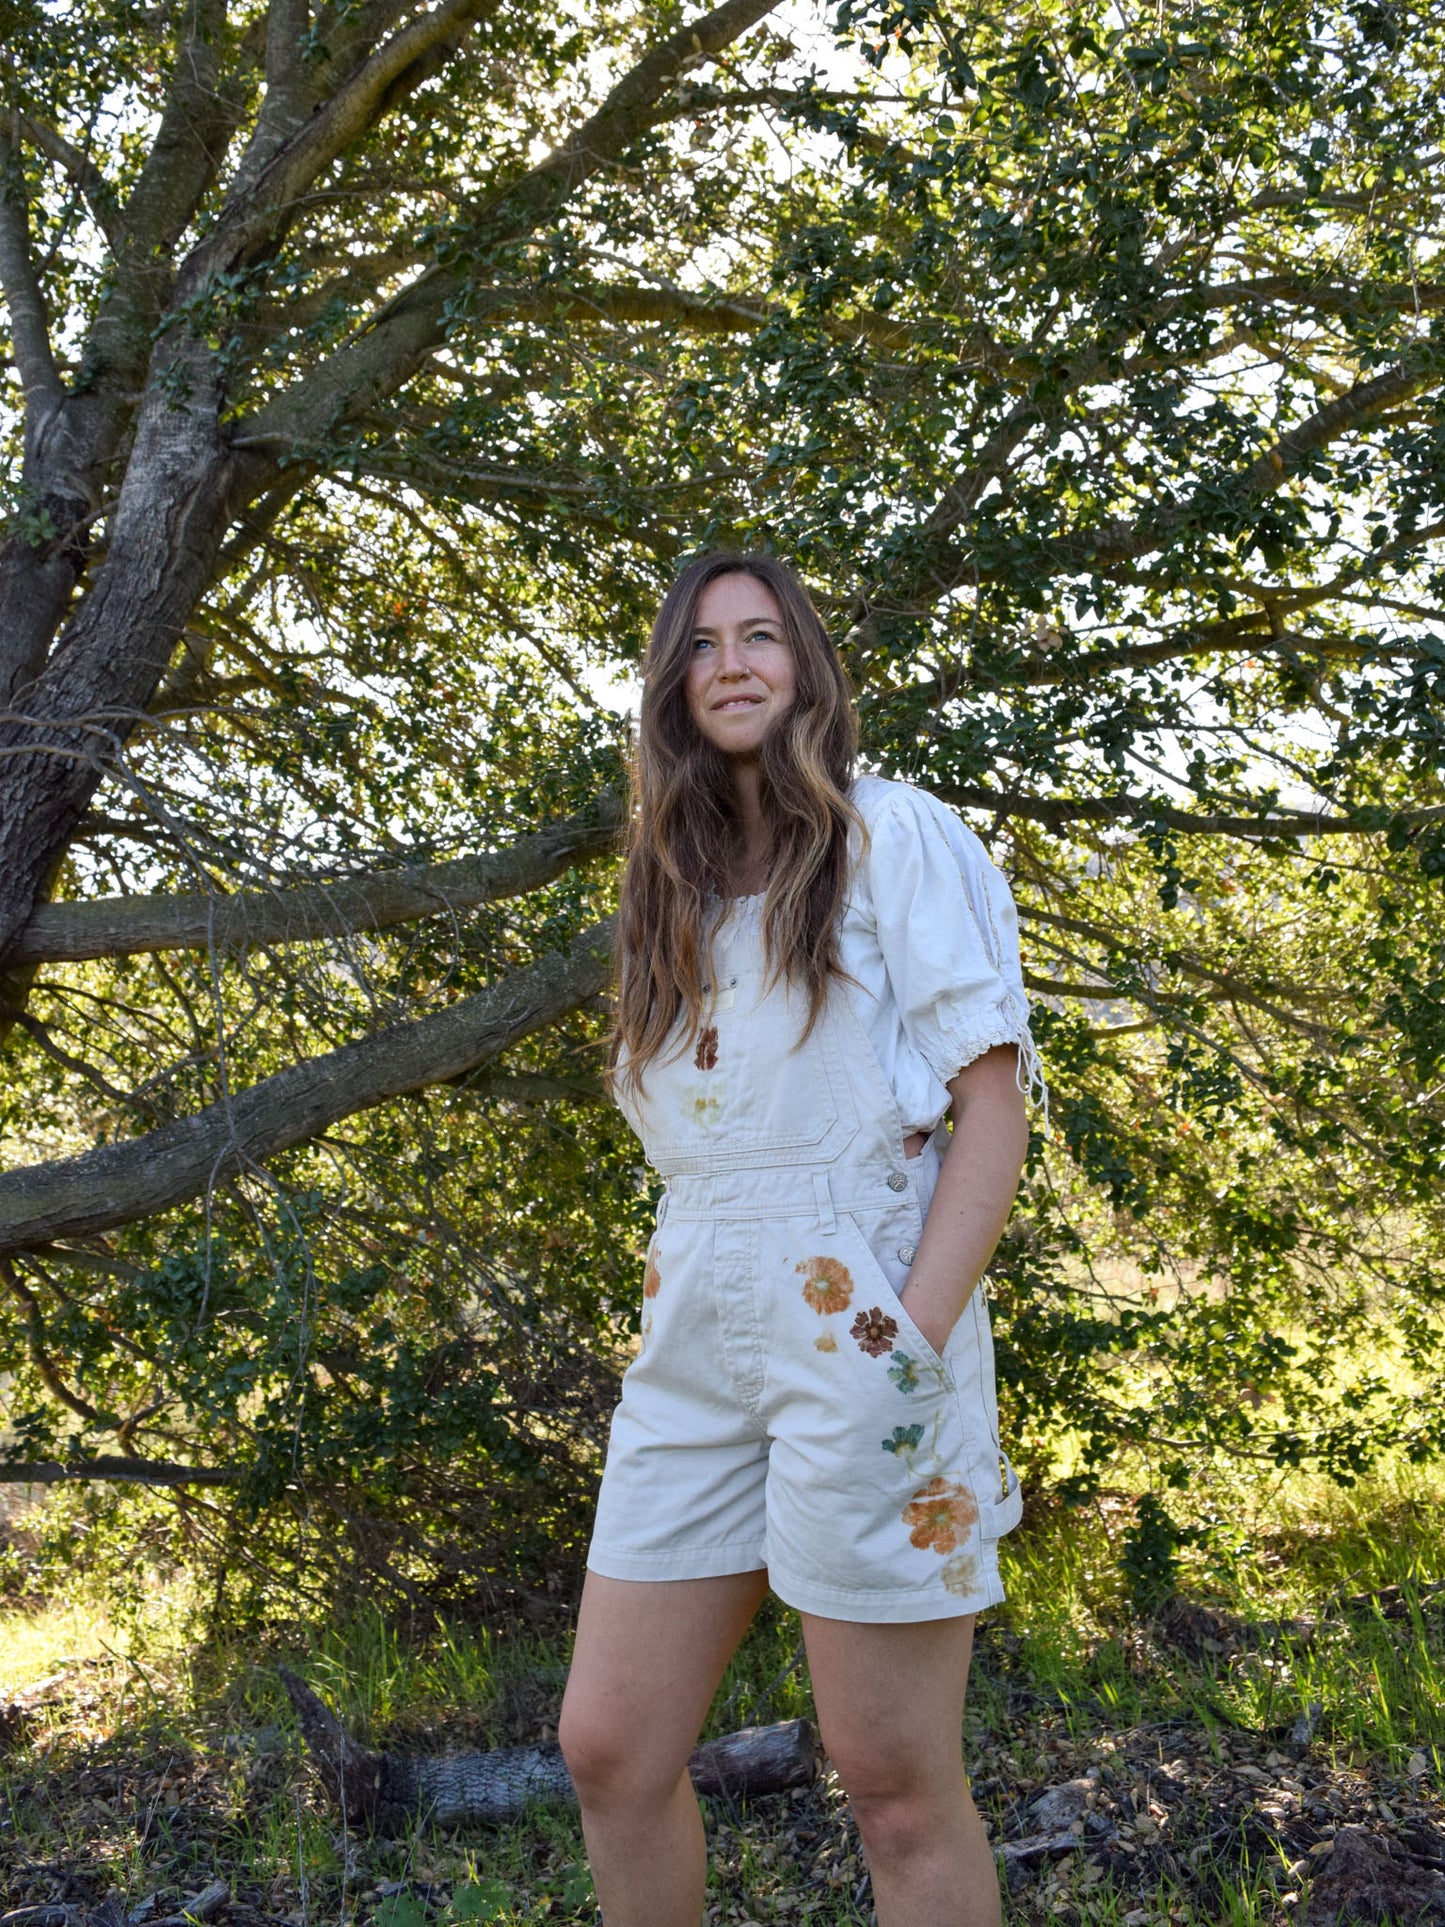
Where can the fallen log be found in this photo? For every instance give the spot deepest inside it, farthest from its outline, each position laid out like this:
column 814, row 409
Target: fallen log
column 373, row 1789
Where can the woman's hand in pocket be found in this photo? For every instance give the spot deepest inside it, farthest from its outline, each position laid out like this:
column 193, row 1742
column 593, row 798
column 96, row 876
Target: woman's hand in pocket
column 933, row 1318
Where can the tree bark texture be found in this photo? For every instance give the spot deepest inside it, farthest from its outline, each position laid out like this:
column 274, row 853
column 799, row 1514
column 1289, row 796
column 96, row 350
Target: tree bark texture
column 454, row 1789
column 169, row 524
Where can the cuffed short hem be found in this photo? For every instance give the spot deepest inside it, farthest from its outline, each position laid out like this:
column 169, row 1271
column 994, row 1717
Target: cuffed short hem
column 701, row 1562
column 885, row 1606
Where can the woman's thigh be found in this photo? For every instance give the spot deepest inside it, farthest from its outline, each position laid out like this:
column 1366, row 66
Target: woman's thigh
column 646, row 1663
column 890, row 1701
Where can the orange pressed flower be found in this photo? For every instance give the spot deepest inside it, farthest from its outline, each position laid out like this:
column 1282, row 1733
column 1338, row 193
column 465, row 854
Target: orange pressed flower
column 651, row 1278
column 940, row 1516
column 827, row 1285
column 705, row 1057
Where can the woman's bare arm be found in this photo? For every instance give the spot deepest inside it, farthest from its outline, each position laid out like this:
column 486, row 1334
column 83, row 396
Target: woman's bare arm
column 975, row 1193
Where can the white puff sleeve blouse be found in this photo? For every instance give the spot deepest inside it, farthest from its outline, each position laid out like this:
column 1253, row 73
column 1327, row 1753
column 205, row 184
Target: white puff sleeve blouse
column 930, row 937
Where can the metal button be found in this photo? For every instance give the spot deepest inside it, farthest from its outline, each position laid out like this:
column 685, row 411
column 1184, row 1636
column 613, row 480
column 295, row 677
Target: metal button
column 907, row 1253
column 897, row 1181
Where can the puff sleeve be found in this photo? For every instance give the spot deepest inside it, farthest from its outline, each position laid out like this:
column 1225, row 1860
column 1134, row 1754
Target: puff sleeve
column 947, row 932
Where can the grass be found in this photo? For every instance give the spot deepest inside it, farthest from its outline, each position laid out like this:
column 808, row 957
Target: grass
column 151, row 1761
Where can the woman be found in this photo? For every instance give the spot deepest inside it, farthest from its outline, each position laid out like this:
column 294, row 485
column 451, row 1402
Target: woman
column 814, row 968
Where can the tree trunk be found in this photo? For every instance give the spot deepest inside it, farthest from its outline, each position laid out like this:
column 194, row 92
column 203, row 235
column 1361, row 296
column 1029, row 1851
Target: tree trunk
column 173, row 512
column 453, row 1788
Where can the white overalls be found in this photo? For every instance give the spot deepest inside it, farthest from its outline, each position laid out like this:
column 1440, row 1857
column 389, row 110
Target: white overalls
column 784, row 1411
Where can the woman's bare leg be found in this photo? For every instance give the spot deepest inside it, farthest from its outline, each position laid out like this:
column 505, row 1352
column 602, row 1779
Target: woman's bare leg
column 647, row 1661
column 890, row 1706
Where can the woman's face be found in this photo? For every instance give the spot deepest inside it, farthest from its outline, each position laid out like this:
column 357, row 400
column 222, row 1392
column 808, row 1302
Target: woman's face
column 740, row 679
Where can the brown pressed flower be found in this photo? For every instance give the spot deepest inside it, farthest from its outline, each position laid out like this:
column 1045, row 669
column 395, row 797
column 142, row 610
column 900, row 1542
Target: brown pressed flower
column 875, row 1331
column 651, row 1278
column 827, row 1285
column 705, row 1057
column 826, row 1342
column 940, row 1516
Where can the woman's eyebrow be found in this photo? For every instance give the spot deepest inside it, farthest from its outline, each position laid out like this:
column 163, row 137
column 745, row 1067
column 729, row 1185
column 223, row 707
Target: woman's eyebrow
column 748, row 622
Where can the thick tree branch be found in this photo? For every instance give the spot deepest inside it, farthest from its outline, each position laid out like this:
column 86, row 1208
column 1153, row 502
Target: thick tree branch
column 119, row 1183
column 288, row 95
column 262, row 209
column 1324, row 297
column 122, row 1471
column 29, row 323
column 128, row 926
column 196, row 122
column 68, row 466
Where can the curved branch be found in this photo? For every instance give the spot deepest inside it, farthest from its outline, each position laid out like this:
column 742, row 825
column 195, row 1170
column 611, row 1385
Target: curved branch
column 1060, row 811
column 130, row 926
column 257, row 215
column 400, row 337
column 119, row 1183
column 1112, row 543
column 40, row 1357
column 84, row 173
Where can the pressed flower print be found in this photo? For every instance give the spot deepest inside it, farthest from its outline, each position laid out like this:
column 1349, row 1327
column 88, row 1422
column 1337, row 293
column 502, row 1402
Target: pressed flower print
column 875, row 1331
column 706, row 1056
column 904, row 1372
column 827, row 1285
column 905, row 1439
column 651, row 1278
column 825, row 1342
column 940, row 1516
column 960, row 1575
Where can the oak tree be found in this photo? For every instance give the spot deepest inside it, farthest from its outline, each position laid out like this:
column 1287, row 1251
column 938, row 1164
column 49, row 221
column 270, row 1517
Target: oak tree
column 371, row 368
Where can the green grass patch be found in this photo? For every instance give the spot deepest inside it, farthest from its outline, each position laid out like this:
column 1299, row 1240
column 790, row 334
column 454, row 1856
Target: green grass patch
column 153, row 1759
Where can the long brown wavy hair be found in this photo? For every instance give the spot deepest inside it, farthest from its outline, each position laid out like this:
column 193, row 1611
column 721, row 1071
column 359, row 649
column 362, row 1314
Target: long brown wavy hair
column 685, row 835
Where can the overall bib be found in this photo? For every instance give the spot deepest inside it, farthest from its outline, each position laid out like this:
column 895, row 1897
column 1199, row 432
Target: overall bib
column 784, row 1412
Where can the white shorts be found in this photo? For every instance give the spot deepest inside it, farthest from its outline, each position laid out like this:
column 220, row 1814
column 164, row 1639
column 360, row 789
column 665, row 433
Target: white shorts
column 785, row 1413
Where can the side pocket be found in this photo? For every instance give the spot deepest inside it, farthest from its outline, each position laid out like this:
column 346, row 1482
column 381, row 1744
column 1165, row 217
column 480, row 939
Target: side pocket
column 887, row 1292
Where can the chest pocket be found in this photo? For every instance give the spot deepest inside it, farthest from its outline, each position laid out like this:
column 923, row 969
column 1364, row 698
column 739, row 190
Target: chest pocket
column 744, row 1092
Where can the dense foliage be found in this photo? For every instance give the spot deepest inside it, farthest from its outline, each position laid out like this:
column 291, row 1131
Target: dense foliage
column 1088, row 366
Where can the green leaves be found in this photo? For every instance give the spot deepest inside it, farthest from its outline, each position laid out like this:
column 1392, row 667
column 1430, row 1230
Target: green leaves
column 904, row 1372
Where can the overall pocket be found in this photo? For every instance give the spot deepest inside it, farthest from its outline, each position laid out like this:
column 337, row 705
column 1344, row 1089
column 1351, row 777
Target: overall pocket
column 878, row 1242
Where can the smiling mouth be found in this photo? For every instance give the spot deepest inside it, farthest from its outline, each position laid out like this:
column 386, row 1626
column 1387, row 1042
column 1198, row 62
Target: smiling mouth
column 738, row 702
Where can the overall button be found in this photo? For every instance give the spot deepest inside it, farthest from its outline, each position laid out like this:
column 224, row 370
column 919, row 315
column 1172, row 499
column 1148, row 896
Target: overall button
column 907, row 1253
column 897, row 1181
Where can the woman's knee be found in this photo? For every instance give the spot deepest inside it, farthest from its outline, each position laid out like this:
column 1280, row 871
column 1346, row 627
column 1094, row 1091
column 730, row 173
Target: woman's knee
column 616, row 1763
column 903, row 1805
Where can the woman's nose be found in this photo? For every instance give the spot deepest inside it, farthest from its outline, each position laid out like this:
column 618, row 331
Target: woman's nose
column 734, row 661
